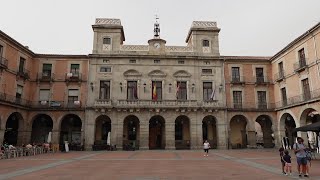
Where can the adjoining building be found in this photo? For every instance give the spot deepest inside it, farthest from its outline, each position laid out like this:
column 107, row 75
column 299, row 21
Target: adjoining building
column 157, row 96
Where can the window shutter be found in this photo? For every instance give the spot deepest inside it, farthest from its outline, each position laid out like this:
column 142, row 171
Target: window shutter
column 44, row 94
column 73, row 92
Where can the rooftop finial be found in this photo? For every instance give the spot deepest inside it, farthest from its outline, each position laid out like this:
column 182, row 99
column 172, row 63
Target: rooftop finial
column 156, row 29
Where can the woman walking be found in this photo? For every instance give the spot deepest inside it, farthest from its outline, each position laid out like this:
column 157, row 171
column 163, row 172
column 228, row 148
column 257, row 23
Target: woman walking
column 206, row 147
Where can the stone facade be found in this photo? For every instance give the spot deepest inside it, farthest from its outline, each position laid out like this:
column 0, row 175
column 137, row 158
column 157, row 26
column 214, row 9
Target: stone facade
column 152, row 96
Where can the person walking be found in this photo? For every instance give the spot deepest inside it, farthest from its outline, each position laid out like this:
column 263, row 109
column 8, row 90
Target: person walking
column 300, row 151
column 281, row 152
column 287, row 160
column 206, row 147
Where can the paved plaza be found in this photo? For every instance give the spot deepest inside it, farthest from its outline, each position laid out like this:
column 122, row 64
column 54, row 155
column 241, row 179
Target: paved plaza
column 151, row 165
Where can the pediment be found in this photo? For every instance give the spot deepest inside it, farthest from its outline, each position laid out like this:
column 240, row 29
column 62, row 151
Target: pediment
column 182, row 73
column 132, row 72
column 157, row 73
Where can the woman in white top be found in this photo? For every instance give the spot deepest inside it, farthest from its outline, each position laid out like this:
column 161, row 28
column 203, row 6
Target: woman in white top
column 206, row 147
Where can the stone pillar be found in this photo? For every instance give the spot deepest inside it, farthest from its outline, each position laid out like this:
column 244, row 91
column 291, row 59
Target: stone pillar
column 114, row 133
column 89, row 136
column 252, row 139
column 55, row 137
column 144, row 135
column 2, row 131
column 222, row 135
column 119, row 135
column 196, row 135
column 170, row 136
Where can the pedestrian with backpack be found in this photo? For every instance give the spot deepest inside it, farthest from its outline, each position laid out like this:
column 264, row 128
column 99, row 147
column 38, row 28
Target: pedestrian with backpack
column 301, row 154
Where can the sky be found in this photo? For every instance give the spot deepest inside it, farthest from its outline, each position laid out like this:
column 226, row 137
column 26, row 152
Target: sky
column 248, row 27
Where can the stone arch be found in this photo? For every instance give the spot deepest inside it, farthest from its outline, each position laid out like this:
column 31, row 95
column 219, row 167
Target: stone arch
column 266, row 138
column 157, row 138
column 71, row 130
column 42, row 124
column 131, row 132
column 238, row 132
column 102, row 129
column 209, row 130
column 182, row 132
column 14, row 129
column 287, row 125
column 310, row 116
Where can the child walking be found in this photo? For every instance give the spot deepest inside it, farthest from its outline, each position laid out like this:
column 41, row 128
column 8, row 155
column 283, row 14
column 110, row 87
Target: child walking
column 206, row 147
column 281, row 152
column 287, row 160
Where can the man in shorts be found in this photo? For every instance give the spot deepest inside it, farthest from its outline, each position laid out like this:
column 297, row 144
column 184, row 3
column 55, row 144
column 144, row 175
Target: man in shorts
column 299, row 150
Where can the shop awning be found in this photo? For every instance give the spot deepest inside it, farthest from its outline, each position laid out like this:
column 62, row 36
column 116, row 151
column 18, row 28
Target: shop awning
column 311, row 127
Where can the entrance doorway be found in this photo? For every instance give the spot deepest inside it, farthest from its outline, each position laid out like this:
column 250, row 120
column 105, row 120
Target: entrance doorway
column 131, row 132
column 264, row 135
column 238, row 132
column 41, row 126
column 209, row 130
column 13, row 127
column 156, row 133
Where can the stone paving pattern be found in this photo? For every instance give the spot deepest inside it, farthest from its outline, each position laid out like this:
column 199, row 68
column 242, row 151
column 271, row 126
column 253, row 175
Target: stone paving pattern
column 152, row 165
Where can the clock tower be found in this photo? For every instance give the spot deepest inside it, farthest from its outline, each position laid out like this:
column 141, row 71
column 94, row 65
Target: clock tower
column 156, row 45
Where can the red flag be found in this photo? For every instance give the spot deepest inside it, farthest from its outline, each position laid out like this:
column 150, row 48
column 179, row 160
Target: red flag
column 154, row 92
column 178, row 89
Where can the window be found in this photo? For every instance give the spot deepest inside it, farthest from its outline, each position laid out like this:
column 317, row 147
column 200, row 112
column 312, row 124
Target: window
column 178, row 130
column 284, row 96
column 132, row 91
column 235, row 74
column 237, row 99
column 181, row 90
column 105, row 69
column 207, row 62
column 132, row 61
column 281, row 71
column 44, row 95
column 46, row 70
column 107, row 40
column 156, row 61
column 73, row 96
column 302, row 58
column 1, row 51
column 74, row 69
column 104, row 90
column 21, row 65
column 206, row 71
column 205, row 43
column 208, row 93
column 105, row 61
column 180, row 62
column 306, row 89
column 262, row 99
column 259, row 75
column 19, row 94
column 156, row 93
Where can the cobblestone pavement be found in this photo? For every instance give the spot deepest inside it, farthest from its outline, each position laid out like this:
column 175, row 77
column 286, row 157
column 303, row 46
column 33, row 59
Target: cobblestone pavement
column 152, row 165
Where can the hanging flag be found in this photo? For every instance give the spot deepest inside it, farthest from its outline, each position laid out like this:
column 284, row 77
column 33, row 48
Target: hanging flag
column 177, row 92
column 154, row 92
column 213, row 93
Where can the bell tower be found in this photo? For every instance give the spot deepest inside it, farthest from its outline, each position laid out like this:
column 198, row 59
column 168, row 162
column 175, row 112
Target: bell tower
column 156, row 45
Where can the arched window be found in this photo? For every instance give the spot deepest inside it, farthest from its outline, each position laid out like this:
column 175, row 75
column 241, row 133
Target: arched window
column 205, row 43
column 107, row 40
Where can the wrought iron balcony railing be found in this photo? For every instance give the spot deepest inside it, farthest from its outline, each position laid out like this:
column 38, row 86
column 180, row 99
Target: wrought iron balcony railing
column 301, row 98
column 45, row 77
column 237, row 80
column 24, row 73
column 261, row 80
column 301, row 65
column 279, row 76
column 252, row 106
column 73, row 77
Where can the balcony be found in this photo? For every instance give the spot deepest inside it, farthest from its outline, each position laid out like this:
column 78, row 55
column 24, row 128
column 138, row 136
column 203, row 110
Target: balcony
column 300, row 66
column 156, row 104
column 103, row 103
column 237, row 80
column 279, row 76
column 252, row 106
column 261, row 80
column 73, row 105
column 45, row 77
column 73, row 77
column 23, row 73
column 14, row 100
column 302, row 98
column 3, row 63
